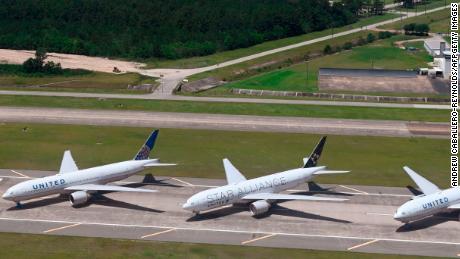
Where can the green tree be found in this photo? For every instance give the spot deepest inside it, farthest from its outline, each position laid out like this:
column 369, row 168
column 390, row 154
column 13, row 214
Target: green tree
column 327, row 49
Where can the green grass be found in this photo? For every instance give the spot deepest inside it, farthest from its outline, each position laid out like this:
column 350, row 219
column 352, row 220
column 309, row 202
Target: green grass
column 45, row 246
column 380, row 54
column 273, row 61
column 342, row 112
column 438, row 21
column 89, row 82
column 233, row 54
column 199, row 153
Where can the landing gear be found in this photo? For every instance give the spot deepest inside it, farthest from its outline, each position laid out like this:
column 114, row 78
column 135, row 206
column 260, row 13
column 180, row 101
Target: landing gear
column 197, row 213
column 19, row 205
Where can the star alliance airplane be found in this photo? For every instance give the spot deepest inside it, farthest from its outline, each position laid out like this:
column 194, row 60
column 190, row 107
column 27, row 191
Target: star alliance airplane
column 80, row 184
column 432, row 201
column 260, row 192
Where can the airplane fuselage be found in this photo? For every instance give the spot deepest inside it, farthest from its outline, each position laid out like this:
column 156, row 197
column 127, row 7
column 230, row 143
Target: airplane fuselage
column 232, row 193
column 427, row 205
column 57, row 183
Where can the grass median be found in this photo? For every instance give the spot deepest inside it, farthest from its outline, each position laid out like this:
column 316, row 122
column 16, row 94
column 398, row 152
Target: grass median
column 199, row 153
column 295, row 110
column 44, row 246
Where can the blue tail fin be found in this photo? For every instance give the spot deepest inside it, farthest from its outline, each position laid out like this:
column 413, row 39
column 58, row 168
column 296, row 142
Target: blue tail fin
column 147, row 147
column 316, row 154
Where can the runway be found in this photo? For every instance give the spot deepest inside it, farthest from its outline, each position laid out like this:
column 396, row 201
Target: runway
column 363, row 223
column 225, row 122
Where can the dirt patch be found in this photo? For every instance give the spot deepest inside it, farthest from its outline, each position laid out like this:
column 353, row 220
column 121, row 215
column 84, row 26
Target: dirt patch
column 72, row 61
column 418, row 84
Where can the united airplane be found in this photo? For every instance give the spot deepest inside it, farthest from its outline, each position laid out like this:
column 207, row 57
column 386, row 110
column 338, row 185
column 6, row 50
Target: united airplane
column 80, row 184
column 432, row 201
column 260, row 192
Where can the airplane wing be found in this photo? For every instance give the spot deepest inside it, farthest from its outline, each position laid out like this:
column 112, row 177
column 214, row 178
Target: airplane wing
column 158, row 164
column 425, row 186
column 233, row 175
column 67, row 164
column 279, row 196
column 330, row 172
column 100, row 187
column 454, row 207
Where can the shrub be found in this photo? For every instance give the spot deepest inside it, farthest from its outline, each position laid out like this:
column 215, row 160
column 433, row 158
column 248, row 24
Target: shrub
column 347, row 45
column 370, row 38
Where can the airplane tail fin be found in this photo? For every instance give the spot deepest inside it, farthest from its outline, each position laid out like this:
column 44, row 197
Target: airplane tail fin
column 312, row 160
column 144, row 152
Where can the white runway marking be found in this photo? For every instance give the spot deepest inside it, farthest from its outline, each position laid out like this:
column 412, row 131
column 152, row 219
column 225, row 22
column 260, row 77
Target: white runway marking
column 18, row 173
column 379, row 214
column 353, row 189
column 182, row 181
column 256, row 239
column 158, row 233
column 64, row 227
column 235, row 231
column 16, row 177
column 363, row 244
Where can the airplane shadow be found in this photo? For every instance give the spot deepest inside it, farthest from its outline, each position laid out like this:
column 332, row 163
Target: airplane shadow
column 277, row 209
column 108, row 202
column 429, row 222
column 149, row 179
column 274, row 210
column 314, row 188
column 39, row 203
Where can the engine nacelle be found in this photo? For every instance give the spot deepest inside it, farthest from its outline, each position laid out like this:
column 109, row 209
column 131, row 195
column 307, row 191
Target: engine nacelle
column 259, row 207
column 78, row 198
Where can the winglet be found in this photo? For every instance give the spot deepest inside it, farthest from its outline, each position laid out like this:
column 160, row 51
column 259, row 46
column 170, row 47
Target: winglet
column 67, row 164
column 425, row 186
column 144, row 152
column 233, row 175
column 316, row 154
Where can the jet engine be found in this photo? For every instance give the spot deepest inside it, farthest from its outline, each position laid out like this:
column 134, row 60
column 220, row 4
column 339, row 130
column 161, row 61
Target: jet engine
column 259, row 207
column 78, row 198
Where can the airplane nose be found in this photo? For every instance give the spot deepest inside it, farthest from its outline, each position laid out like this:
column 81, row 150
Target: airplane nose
column 186, row 206
column 6, row 196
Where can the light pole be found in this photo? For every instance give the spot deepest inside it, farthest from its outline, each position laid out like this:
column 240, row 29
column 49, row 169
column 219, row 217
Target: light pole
column 306, row 82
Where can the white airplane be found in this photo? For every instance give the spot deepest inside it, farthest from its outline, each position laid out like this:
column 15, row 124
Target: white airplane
column 432, row 201
column 260, row 192
column 82, row 183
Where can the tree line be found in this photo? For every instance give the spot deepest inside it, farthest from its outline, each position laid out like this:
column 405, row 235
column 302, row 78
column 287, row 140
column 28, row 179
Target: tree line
column 163, row 28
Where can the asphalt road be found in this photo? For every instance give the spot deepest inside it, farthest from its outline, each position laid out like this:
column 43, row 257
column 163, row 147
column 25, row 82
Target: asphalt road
column 223, row 99
column 364, row 223
column 224, row 122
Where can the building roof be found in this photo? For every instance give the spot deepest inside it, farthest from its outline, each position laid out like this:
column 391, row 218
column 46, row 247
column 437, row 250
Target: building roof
column 435, row 43
column 366, row 72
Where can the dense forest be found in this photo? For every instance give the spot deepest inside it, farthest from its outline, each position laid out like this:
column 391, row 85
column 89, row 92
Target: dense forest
column 162, row 28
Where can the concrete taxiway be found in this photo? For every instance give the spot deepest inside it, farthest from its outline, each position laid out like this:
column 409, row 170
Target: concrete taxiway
column 225, row 122
column 364, row 223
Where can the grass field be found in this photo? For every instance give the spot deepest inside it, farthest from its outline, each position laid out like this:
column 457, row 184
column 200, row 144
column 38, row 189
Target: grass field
column 45, row 246
column 91, row 82
column 343, row 112
column 233, row 54
column 438, row 21
column 259, row 65
column 380, row 54
column 199, row 153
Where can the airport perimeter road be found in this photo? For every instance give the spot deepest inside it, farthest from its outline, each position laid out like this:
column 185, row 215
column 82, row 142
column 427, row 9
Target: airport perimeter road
column 224, row 122
column 364, row 223
column 225, row 99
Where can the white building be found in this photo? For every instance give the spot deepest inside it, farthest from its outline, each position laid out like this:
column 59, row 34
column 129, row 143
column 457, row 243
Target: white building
column 440, row 50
